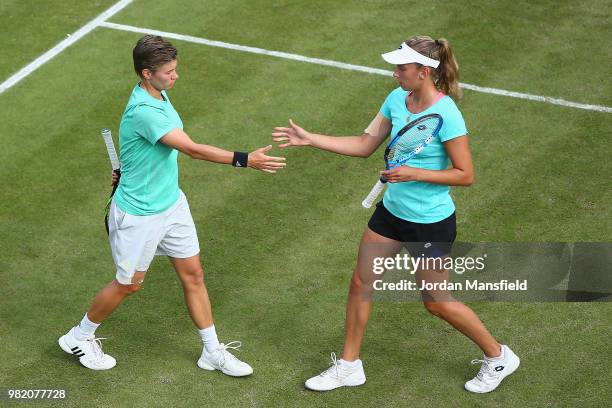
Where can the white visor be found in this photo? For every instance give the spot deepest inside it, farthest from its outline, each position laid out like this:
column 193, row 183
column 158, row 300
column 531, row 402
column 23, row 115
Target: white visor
column 406, row 55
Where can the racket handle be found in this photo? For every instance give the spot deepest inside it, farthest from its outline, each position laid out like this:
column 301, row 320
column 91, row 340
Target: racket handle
column 369, row 200
column 110, row 148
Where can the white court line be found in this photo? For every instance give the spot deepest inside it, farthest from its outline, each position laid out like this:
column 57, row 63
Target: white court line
column 67, row 42
column 318, row 61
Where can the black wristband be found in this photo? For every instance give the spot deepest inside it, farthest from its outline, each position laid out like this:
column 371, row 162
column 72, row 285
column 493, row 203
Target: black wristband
column 241, row 159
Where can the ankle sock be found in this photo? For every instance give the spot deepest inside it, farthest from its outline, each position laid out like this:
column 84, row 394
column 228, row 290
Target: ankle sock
column 86, row 328
column 209, row 338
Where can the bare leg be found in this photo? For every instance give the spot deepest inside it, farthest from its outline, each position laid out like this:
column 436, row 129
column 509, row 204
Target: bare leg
column 111, row 296
column 191, row 275
column 359, row 302
column 460, row 316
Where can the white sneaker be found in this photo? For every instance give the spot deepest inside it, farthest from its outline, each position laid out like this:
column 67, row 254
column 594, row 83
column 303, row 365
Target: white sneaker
column 338, row 375
column 89, row 351
column 224, row 361
column 492, row 372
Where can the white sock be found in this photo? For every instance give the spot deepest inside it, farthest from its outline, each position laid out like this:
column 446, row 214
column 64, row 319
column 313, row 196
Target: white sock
column 209, row 338
column 350, row 364
column 86, row 328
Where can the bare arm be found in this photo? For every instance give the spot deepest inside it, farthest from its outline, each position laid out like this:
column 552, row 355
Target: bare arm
column 461, row 173
column 358, row 146
column 179, row 140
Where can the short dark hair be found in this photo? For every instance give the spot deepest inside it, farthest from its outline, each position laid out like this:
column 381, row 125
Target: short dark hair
column 151, row 52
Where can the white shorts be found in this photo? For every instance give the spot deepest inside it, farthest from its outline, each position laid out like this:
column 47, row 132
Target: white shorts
column 136, row 239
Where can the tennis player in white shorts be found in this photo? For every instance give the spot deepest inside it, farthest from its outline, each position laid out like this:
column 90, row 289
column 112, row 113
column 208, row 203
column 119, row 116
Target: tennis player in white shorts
column 149, row 214
column 135, row 240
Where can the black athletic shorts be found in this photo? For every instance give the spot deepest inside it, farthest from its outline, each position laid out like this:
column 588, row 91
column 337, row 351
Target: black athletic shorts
column 430, row 240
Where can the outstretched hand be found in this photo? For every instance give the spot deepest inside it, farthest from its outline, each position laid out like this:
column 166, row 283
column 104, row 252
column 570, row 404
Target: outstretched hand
column 292, row 135
column 268, row 164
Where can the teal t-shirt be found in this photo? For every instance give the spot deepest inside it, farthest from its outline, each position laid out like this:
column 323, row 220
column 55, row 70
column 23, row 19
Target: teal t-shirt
column 149, row 169
column 417, row 201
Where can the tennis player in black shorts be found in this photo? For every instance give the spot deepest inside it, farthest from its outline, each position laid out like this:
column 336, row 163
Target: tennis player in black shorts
column 417, row 210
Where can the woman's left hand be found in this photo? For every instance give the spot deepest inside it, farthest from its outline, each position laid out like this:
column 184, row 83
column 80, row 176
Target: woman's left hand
column 401, row 173
column 115, row 178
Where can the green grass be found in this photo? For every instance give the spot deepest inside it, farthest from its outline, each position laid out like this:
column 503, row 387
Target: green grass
column 30, row 27
column 547, row 47
column 278, row 251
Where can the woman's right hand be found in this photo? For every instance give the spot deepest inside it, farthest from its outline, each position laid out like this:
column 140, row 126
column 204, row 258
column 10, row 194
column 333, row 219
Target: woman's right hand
column 292, row 135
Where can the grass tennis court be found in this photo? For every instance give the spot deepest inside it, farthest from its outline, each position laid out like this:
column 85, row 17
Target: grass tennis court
column 278, row 250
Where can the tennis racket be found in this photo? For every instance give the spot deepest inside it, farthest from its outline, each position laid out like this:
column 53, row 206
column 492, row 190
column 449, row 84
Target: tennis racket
column 409, row 141
column 112, row 155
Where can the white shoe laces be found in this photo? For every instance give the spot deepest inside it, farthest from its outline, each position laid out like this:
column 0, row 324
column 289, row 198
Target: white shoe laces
column 226, row 355
column 486, row 371
column 96, row 346
column 333, row 369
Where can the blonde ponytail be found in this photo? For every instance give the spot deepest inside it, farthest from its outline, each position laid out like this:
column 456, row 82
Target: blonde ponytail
column 446, row 76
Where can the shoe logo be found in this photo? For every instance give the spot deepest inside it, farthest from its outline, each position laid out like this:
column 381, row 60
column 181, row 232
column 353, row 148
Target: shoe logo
column 77, row 351
column 499, row 368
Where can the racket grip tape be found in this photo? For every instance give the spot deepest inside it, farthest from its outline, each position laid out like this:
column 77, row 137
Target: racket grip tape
column 110, row 148
column 374, row 193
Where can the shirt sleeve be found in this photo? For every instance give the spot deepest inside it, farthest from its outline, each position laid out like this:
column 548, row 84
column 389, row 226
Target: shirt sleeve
column 453, row 125
column 379, row 127
column 385, row 109
column 152, row 123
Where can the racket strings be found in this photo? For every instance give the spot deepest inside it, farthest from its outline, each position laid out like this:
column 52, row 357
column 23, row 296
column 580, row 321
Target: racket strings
column 412, row 141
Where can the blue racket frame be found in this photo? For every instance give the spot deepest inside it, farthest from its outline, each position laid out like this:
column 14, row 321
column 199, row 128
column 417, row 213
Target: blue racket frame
column 418, row 149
